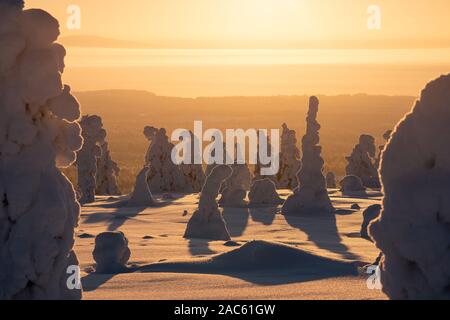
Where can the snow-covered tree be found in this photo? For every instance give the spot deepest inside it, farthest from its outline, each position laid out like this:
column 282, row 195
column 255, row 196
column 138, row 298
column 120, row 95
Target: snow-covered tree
column 39, row 133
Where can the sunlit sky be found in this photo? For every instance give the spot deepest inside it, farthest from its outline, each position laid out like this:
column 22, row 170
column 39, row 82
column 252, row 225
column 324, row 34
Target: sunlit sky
column 259, row 23
column 169, row 47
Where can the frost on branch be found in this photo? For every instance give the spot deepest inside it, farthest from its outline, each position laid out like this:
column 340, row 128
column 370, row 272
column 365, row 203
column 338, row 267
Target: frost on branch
column 311, row 196
column 93, row 135
column 207, row 222
column 413, row 229
column 107, row 173
column 38, row 134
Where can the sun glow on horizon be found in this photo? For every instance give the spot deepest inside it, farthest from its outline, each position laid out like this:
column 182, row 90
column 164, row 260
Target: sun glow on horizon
column 255, row 23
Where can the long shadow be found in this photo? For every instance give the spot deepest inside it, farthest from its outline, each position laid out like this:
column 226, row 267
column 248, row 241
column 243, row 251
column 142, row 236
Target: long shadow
column 93, row 281
column 121, row 214
column 116, row 219
column 236, row 220
column 198, row 247
column 266, row 216
column 362, row 194
column 321, row 229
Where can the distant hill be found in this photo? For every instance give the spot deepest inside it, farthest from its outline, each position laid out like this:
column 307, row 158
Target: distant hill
column 100, row 42
column 343, row 118
column 92, row 41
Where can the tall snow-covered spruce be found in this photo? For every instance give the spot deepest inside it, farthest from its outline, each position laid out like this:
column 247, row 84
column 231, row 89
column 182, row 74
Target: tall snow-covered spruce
column 362, row 162
column 289, row 160
column 94, row 136
column 413, row 229
column 38, row 134
column 107, row 173
column 311, row 196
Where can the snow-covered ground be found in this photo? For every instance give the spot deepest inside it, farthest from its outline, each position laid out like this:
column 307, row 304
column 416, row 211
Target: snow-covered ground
column 320, row 260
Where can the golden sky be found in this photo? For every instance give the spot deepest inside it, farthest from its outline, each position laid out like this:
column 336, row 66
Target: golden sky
column 259, row 23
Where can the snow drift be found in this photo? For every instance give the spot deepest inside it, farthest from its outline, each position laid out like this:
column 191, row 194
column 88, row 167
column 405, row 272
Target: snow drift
column 38, row 134
column 262, row 257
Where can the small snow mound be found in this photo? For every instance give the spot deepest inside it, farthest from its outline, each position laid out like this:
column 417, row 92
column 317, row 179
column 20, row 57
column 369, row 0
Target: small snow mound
column 111, row 252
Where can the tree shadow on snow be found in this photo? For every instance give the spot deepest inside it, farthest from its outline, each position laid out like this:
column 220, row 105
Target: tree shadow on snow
column 266, row 216
column 236, row 220
column 122, row 213
column 115, row 219
column 321, row 229
column 93, row 281
column 198, row 247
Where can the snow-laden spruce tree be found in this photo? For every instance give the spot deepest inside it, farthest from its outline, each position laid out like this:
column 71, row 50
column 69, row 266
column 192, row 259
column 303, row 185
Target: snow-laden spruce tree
column 38, row 134
column 289, row 160
column 331, row 180
column 164, row 175
column 259, row 166
column 94, row 136
column 141, row 195
column 193, row 173
column 107, row 173
column 351, row 185
column 413, row 229
column 263, row 193
column 207, row 222
column 311, row 196
column 362, row 162
column 236, row 186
